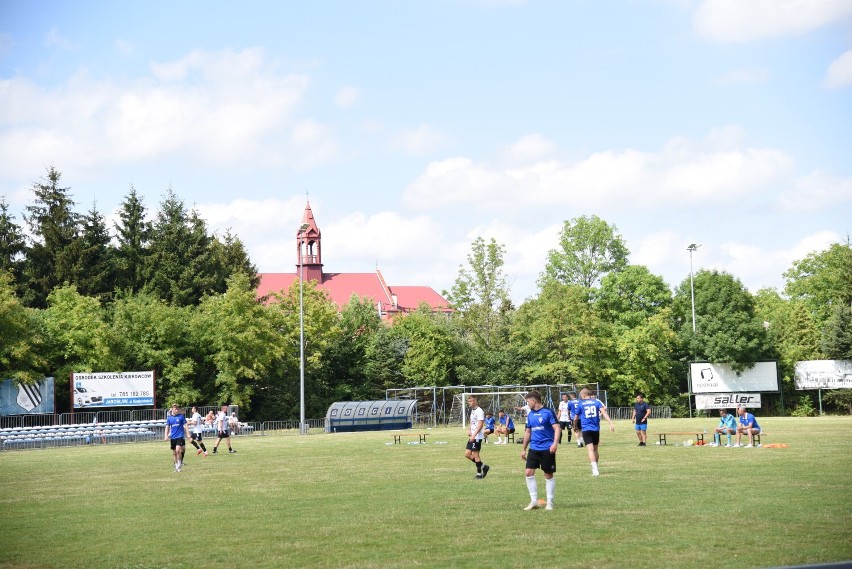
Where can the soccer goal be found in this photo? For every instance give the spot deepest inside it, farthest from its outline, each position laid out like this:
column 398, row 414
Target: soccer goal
column 489, row 402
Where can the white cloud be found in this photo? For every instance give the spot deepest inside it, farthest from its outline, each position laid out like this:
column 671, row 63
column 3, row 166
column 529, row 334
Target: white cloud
column 531, row 147
column 818, row 191
column 421, row 141
column 752, row 264
column 124, row 47
column 749, row 20
column 718, row 169
column 220, row 109
column 839, row 73
column 744, row 76
column 347, row 97
column 54, row 39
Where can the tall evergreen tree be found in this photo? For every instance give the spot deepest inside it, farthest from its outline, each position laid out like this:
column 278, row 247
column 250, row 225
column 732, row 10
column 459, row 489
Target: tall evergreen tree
column 229, row 257
column 165, row 264
column 96, row 272
column 53, row 255
column 134, row 234
column 12, row 245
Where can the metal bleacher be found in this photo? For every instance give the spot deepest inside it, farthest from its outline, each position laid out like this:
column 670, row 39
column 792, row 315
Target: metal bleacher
column 81, row 434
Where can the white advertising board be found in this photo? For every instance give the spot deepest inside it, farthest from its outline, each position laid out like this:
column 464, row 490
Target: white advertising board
column 824, row 374
column 727, row 400
column 112, row 389
column 721, row 378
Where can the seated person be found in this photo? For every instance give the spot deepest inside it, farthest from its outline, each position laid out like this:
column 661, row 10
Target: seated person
column 505, row 427
column 727, row 426
column 489, row 425
column 748, row 425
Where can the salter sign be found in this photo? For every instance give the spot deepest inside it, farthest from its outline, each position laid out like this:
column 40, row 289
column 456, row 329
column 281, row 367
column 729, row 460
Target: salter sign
column 727, row 400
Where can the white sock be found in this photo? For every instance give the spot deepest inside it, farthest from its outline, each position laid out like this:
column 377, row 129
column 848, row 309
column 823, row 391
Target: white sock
column 550, row 488
column 594, row 467
column 533, row 488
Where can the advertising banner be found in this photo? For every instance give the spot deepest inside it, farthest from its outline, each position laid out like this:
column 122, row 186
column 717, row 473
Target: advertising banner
column 721, row 378
column 29, row 399
column 727, row 400
column 824, row 374
column 113, row 389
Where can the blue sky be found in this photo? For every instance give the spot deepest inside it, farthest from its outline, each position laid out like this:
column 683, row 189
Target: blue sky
column 415, row 127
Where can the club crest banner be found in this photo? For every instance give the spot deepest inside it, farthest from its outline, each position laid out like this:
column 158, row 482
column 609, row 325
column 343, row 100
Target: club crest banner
column 26, row 399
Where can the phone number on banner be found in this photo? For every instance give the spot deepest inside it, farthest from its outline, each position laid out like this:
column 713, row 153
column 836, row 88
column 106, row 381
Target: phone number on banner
column 120, row 401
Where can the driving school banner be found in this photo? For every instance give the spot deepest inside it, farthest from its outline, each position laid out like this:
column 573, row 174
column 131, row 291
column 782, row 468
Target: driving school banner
column 721, row 378
column 26, row 399
column 112, row 389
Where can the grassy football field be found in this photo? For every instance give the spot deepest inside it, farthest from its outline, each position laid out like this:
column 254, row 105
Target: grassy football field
column 353, row 500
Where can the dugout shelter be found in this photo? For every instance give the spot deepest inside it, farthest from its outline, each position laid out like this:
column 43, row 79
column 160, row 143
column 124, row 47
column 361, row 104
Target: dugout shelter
column 387, row 414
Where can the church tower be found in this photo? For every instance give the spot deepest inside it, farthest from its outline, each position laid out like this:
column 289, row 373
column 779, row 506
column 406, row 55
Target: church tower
column 308, row 248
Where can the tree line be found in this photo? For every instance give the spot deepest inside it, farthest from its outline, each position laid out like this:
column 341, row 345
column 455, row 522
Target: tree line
column 76, row 295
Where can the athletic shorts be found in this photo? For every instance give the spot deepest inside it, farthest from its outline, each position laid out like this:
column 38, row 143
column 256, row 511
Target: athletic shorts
column 641, row 426
column 488, row 431
column 195, row 436
column 591, row 437
column 565, row 424
column 543, row 459
column 474, row 445
column 224, row 434
column 177, row 443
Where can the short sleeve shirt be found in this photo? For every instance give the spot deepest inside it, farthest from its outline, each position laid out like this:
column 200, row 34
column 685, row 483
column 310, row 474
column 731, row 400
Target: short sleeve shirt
column 590, row 419
column 564, row 412
column 476, row 416
column 541, row 426
column 641, row 409
column 176, row 423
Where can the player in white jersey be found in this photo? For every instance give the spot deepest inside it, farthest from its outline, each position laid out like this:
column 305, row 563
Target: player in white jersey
column 197, row 427
column 223, row 429
column 475, row 436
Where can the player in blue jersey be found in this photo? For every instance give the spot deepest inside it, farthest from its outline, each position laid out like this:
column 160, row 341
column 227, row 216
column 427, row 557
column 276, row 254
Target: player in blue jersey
column 727, row 426
column 542, row 437
column 589, row 421
column 505, row 427
column 176, row 432
column 489, row 425
column 748, row 425
column 574, row 408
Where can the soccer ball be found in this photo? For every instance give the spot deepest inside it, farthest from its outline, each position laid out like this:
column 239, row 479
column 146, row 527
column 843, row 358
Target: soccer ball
column 542, row 501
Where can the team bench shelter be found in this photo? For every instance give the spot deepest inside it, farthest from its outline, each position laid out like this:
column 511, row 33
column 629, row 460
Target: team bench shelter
column 384, row 415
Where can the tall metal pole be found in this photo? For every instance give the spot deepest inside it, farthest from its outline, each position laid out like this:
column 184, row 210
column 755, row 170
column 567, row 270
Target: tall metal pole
column 692, row 248
column 302, row 429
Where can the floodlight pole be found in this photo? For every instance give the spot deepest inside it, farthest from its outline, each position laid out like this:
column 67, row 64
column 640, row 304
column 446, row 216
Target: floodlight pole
column 692, row 248
column 302, row 429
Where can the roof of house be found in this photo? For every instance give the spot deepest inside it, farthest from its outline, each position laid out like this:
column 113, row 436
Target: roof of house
column 341, row 286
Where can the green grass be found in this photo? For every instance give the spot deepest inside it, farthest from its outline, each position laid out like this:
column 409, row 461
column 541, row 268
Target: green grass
column 351, row 500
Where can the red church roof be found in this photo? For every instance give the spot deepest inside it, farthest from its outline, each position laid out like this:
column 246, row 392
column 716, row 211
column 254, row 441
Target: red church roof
column 340, row 287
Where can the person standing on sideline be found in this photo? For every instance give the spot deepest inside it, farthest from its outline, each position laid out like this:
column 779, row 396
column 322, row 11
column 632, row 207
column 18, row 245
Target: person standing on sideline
column 588, row 420
column 727, row 426
column 195, row 432
column 475, row 436
column 223, row 429
column 541, row 435
column 565, row 417
column 505, row 427
column 176, row 431
column 641, row 412
column 748, row 425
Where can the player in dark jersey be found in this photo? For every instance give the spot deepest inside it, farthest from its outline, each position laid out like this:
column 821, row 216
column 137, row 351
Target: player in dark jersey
column 589, row 420
column 542, row 437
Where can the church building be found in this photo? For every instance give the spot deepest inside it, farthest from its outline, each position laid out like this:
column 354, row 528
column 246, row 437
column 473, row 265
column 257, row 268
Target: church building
column 389, row 300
